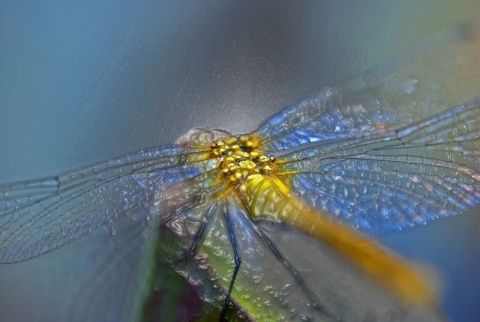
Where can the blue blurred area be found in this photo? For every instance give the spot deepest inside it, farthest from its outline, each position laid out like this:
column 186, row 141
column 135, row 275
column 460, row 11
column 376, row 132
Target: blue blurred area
column 80, row 82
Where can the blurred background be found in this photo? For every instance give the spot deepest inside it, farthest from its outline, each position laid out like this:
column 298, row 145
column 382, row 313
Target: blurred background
column 81, row 82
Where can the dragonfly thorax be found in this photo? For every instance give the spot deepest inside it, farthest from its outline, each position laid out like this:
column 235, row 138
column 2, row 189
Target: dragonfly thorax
column 234, row 161
column 241, row 157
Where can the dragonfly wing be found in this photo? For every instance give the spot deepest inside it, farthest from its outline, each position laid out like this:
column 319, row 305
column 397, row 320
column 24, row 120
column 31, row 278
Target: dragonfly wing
column 38, row 216
column 263, row 285
column 81, row 281
column 116, row 281
column 424, row 171
column 285, row 275
column 341, row 288
column 438, row 74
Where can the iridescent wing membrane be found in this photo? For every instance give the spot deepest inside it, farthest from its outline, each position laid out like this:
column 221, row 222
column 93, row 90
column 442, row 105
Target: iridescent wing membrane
column 38, row 216
column 370, row 152
column 395, row 148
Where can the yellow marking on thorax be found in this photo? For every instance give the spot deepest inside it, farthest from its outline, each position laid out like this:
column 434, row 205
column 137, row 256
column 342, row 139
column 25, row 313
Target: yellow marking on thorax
column 197, row 157
column 239, row 158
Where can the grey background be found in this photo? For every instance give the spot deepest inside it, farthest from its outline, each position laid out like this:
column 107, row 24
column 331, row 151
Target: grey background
column 84, row 82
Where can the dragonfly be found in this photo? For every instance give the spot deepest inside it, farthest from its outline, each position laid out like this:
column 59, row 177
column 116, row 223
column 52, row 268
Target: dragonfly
column 394, row 148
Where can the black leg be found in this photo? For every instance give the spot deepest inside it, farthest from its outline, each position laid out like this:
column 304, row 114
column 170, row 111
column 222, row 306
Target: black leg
column 190, row 251
column 238, row 262
column 293, row 271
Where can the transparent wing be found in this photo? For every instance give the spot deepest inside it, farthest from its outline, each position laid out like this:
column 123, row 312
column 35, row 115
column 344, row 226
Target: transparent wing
column 95, row 278
column 438, row 74
column 117, row 278
column 418, row 173
column 341, row 288
column 38, row 216
column 285, row 275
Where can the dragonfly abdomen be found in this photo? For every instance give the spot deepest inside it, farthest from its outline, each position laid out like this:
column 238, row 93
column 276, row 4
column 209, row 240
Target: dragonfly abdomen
column 267, row 197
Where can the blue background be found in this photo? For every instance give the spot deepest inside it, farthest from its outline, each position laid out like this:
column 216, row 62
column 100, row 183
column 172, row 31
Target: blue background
column 81, row 82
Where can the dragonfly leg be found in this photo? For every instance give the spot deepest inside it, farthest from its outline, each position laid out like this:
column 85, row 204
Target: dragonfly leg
column 238, row 262
column 316, row 303
column 190, row 251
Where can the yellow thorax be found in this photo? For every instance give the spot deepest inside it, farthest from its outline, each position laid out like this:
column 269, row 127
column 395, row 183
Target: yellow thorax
column 240, row 158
